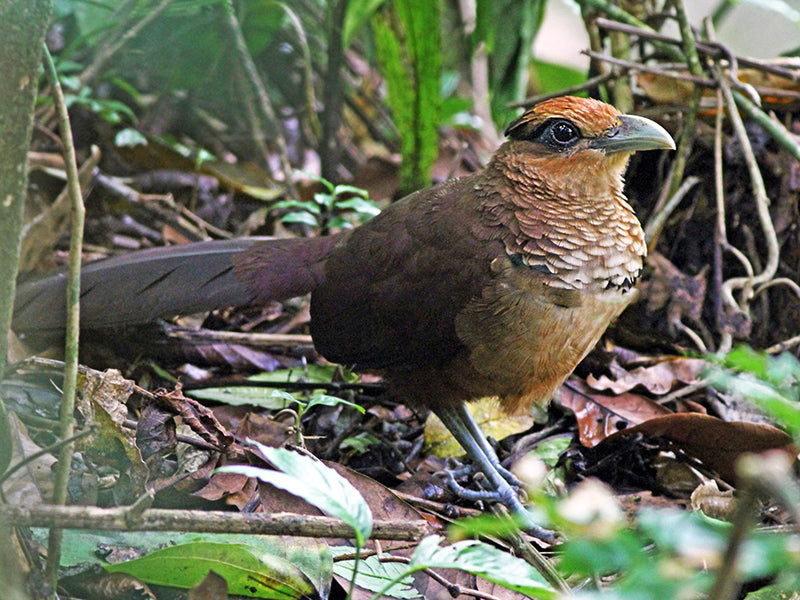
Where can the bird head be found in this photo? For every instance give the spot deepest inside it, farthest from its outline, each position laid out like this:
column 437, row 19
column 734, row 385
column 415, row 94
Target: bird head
column 559, row 139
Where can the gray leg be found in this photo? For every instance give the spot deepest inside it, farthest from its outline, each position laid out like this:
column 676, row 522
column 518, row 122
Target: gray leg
column 475, row 444
column 478, row 436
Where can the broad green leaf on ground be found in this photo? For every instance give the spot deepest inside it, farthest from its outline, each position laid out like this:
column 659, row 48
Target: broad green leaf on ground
column 240, row 395
column 373, row 574
column 315, row 483
column 483, row 560
column 80, row 548
column 270, row 398
column 311, row 373
column 248, row 571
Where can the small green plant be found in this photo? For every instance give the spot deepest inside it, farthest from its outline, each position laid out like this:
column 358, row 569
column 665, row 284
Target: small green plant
column 303, row 406
column 297, row 403
column 338, row 207
column 77, row 94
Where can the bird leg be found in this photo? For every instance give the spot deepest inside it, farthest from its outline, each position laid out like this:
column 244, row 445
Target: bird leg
column 478, row 436
column 459, row 421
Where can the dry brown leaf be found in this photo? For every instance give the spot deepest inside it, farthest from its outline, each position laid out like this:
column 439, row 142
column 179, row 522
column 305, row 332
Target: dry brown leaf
column 658, row 379
column 200, row 419
column 714, row 442
column 669, row 90
column 600, row 415
column 213, row 587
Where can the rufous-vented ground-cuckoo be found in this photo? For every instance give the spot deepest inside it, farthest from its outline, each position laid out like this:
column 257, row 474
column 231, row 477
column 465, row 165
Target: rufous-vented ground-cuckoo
column 496, row 284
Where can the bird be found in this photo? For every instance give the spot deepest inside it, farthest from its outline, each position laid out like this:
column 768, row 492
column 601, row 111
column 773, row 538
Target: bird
column 495, row 284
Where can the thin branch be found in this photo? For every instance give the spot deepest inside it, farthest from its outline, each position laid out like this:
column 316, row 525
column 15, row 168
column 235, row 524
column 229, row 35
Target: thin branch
column 659, row 218
column 262, row 96
column 204, row 521
column 67, row 409
column 762, row 205
column 581, row 87
column 109, row 49
column 641, row 68
column 49, row 450
column 784, row 345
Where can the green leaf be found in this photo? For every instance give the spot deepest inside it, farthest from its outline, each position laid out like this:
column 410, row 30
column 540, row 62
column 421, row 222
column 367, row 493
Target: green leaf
column 324, row 200
column 677, row 530
column 310, row 373
column 300, row 217
column 374, row 575
column 129, row 137
column 81, row 548
column 326, row 400
column 342, row 189
column 358, row 13
column 360, row 442
column 587, row 557
column 510, row 49
column 315, row 483
column 238, row 396
column 298, row 204
column 551, row 77
column 339, row 223
column 483, row 560
column 407, row 40
column 359, row 205
column 248, row 571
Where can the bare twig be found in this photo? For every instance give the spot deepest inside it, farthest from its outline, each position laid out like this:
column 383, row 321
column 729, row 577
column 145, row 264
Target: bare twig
column 713, row 50
column 67, row 408
column 784, row 345
column 265, row 103
column 115, row 43
column 49, row 450
column 779, row 133
column 746, row 284
column 660, row 216
column 582, row 87
column 642, row 68
column 253, row 340
column 205, row 521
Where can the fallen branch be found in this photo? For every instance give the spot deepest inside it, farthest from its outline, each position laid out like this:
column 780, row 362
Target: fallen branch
column 202, row 521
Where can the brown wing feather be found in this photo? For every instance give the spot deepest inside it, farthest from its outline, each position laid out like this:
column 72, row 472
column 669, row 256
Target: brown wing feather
column 397, row 309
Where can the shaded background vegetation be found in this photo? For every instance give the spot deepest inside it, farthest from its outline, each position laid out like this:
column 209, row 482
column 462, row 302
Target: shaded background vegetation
column 216, row 118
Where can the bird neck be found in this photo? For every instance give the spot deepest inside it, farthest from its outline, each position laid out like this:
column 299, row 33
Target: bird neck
column 566, row 217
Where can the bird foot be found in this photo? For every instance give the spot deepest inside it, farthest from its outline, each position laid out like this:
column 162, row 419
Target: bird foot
column 510, row 494
column 512, row 497
column 457, row 470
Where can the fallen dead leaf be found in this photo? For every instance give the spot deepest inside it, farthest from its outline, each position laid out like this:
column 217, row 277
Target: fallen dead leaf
column 600, row 415
column 658, row 379
column 714, row 442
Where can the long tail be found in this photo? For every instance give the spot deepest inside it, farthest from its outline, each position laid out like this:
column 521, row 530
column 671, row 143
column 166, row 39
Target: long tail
column 143, row 286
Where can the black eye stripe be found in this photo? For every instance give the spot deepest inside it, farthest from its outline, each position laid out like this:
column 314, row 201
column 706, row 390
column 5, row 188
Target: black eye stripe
column 557, row 133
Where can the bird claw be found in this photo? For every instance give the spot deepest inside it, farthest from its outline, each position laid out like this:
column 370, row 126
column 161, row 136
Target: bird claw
column 509, row 495
column 458, row 470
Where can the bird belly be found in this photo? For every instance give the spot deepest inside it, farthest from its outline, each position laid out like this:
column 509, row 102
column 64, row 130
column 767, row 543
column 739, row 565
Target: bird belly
column 525, row 340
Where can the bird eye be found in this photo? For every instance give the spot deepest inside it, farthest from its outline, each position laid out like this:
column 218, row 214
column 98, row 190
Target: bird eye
column 564, row 132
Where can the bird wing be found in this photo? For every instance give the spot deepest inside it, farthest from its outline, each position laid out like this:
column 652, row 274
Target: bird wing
column 392, row 290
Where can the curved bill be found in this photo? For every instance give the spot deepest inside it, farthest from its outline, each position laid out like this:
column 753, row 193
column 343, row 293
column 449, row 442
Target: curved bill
column 634, row 133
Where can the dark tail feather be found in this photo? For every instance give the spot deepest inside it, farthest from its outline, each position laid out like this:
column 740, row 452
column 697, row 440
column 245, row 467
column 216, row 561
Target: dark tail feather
column 143, row 286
